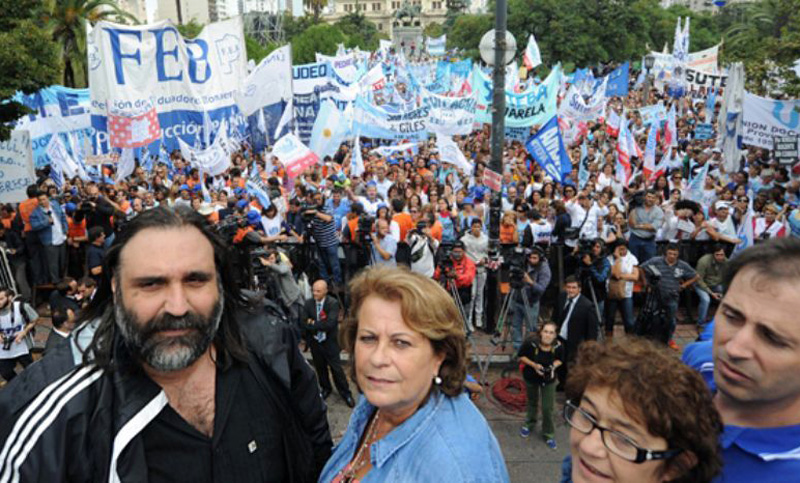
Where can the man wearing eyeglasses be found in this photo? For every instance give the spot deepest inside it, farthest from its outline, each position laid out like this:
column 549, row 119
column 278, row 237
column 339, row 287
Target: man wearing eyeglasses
column 754, row 356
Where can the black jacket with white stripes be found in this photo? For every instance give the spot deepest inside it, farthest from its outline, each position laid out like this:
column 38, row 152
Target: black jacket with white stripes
column 60, row 421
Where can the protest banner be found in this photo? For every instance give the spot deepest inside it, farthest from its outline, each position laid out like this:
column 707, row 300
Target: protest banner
column 493, row 180
column 786, row 149
column 765, row 119
column 656, row 113
column 131, row 64
column 294, row 155
column 56, row 110
column 534, row 106
column 697, row 78
column 311, row 86
column 268, row 84
column 704, row 131
column 618, row 80
column 436, row 46
column 578, row 108
column 449, row 115
column 16, row 167
column 373, row 121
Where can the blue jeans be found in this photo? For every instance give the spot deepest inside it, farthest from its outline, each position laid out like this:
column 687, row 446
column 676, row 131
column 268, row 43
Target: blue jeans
column 705, row 302
column 642, row 249
column 531, row 316
column 671, row 308
column 625, row 306
column 329, row 259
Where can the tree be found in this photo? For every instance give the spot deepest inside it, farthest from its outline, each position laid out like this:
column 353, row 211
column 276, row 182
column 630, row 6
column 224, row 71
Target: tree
column 360, row 32
column 316, row 7
column 433, row 30
column 255, row 51
column 29, row 58
column 467, row 32
column 191, row 29
column 67, row 22
column 321, row 38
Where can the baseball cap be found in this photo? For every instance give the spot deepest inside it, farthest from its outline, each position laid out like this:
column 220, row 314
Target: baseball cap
column 253, row 218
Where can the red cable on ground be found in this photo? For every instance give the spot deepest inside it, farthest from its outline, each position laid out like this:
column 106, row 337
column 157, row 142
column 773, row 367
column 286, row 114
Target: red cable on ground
column 510, row 392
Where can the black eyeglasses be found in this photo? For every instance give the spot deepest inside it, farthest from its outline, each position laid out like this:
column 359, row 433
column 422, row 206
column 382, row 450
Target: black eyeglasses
column 614, row 441
column 744, row 200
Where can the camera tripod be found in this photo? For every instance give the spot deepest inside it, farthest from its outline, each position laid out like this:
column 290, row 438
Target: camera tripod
column 587, row 279
column 502, row 330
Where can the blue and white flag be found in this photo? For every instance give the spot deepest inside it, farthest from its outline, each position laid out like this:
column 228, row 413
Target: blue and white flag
column 328, row 131
column 618, row 81
column 745, row 231
column 450, row 153
column 385, row 151
column 696, row 184
column 255, row 187
column 547, row 148
column 356, row 160
column 126, row 164
column 711, row 102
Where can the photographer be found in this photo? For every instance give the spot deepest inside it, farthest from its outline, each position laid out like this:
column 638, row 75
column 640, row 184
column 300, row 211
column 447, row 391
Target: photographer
column 323, row 229
column 535, row 279
column 98, row 210
column 620, row 288
column 676, row 275
column 291, row 297
column 384, row 246
column 539, row 361
column 459, row 269
column 423, row 249
column 17, row 320
column 476, row 244
column 594, row 269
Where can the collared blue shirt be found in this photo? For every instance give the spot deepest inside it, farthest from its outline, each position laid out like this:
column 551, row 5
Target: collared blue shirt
column 447, row 439
column 763, row 455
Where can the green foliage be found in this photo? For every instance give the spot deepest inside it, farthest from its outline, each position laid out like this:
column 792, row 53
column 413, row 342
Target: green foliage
column 294, row 26
column 256, row 51
column 765, row 36
column 359, row 31
column 320, row 38
column 191, row 29
column 433, row 30
column 67, row 19
column 467, row 32
column 29, row 59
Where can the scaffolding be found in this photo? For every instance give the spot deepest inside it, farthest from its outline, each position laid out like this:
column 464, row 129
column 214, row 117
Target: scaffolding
column 264, row 27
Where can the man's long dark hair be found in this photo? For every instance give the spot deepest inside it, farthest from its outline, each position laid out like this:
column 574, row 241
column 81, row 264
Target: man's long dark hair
column 228, row 341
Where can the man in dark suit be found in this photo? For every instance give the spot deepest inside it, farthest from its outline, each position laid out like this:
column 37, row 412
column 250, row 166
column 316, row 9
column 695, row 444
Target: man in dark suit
column 63, row 323
column 577, row 321
column 321, row 316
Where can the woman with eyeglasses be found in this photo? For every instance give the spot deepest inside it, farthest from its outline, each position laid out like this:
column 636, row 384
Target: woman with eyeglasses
column 637, row 414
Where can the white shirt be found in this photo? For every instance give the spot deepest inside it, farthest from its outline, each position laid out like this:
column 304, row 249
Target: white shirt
column 565, row 326
column 10, row 326
column 628, row 262
column 577, row 214
column 541, row 231
column 272, row 227
column 59, row 237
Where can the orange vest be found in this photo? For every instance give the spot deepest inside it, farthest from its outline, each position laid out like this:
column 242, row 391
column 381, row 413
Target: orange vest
column 25, row 210
column 405, row 222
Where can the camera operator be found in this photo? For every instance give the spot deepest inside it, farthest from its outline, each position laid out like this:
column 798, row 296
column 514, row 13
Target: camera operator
column 384, row 246
column 594, row 269
column 676, row 275
column 423, row 249
column 457, row 268
column 535, row 279
column 323, row 229
column 291, row 297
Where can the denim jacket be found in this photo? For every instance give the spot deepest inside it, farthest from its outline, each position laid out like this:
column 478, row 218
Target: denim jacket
column 447, row 439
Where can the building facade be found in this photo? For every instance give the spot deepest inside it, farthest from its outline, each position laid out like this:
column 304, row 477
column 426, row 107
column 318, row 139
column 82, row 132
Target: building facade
column 183, row 11
column 382, row 12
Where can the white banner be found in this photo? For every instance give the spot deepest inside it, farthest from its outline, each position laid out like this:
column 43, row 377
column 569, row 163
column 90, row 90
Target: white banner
column 698, row 78
column 436, row 47
column 344, row 66
column 269, row 83
column 449, row 152
column 294, row 155
column 449, row 115
column 130, row 65
column 16, row 167
column 765, row 119
column 575, row 107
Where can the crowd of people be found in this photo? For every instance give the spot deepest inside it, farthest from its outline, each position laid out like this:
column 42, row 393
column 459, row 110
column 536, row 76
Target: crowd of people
column 149, row 274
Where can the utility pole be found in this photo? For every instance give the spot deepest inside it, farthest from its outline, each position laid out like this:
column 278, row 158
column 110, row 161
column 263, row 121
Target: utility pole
column 496, row 161
column 180, row 15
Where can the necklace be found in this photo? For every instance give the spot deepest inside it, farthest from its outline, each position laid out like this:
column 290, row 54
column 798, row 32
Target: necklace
column 358, row 461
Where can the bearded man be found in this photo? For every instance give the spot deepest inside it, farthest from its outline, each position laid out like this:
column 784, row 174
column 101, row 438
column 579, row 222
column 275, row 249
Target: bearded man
column 181, row 378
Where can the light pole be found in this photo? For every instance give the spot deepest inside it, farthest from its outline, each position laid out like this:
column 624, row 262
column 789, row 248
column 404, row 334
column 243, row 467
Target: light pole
column 497, row 52
column 649, row 61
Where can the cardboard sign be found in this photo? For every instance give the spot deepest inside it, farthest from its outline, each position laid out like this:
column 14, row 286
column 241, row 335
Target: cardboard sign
column 493, row 180
column 786, row 149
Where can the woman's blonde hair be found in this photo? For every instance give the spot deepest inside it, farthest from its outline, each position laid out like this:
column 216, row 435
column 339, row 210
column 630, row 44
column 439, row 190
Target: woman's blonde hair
column 426, row 308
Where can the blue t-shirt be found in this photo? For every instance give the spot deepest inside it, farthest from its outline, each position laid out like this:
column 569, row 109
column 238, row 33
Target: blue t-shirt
column 763, row 455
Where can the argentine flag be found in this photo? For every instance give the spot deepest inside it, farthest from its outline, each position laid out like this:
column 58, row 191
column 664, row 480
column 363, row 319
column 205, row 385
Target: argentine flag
column 327, row 134
column 532, row 57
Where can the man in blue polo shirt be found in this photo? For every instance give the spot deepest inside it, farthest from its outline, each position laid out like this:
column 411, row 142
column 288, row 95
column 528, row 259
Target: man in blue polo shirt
column 755, row 355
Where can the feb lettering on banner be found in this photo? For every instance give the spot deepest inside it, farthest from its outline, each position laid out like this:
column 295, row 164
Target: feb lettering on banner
column 16, row 167
column 493, row 180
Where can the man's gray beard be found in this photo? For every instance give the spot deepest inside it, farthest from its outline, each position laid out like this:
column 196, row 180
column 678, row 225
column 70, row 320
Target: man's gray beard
column 173, row 353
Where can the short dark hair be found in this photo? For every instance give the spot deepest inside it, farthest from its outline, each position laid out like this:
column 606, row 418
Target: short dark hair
column 32, row 191
column 94, row 233
column 717, row 247
column 777, row 258
column 58, row 317
column 672, row 246
column 571, row 279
